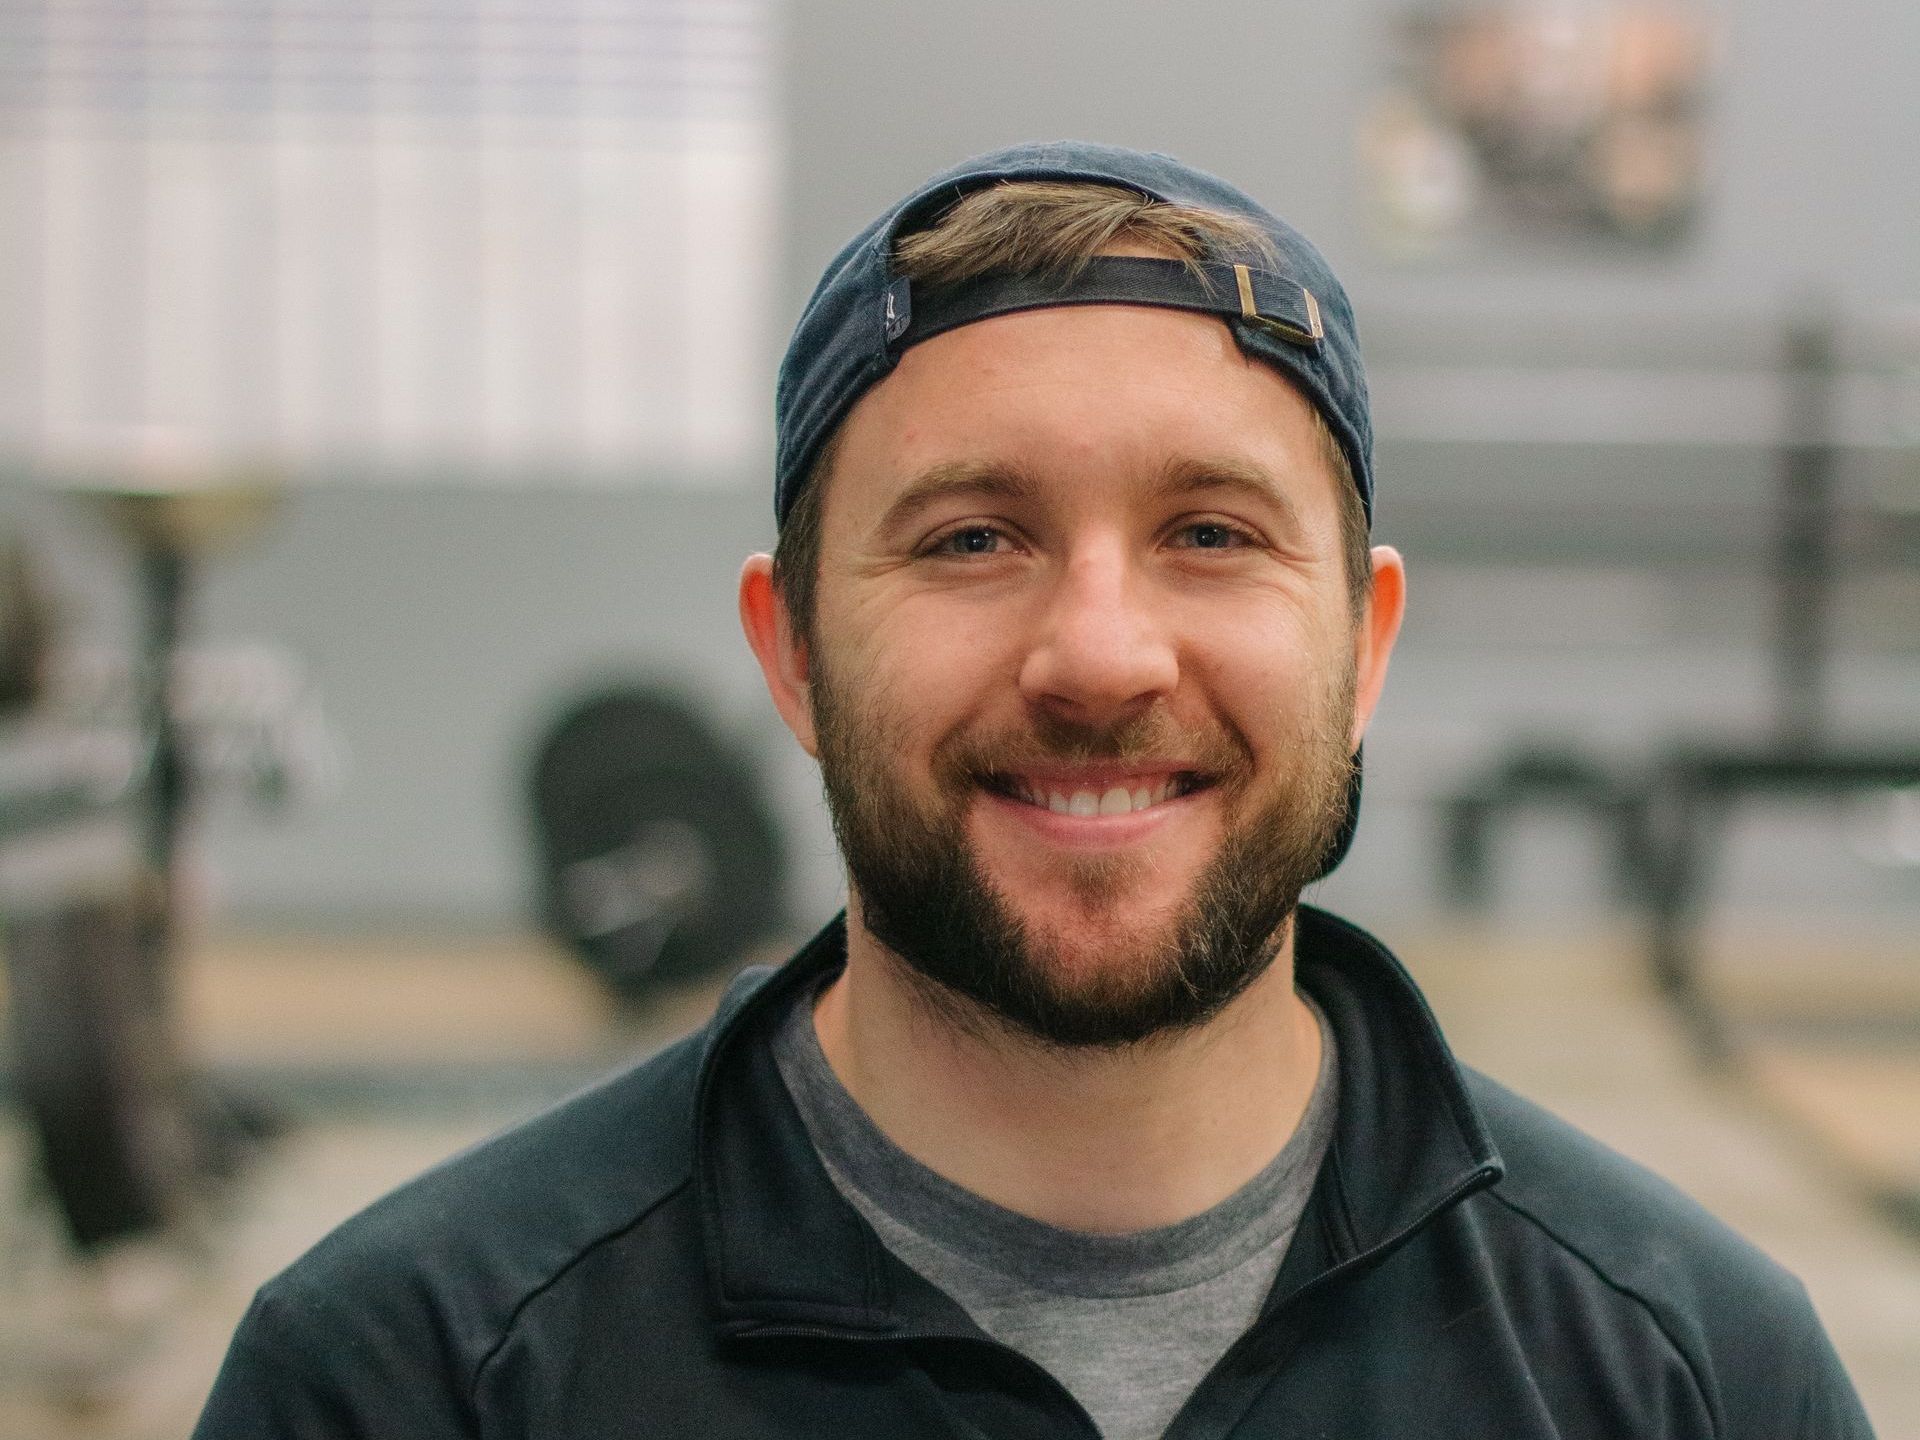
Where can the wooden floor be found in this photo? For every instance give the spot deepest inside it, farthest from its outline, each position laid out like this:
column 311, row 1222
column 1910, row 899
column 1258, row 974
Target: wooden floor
column 391, row 1054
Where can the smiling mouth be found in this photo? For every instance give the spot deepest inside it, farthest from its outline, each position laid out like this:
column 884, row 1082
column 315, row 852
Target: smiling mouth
column 1118, row 795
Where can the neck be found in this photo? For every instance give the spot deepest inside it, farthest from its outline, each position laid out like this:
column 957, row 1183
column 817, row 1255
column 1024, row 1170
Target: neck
column 1101, row 1141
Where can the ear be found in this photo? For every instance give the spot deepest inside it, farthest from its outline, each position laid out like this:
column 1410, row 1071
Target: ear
column 781, row 653
column 1374, row 636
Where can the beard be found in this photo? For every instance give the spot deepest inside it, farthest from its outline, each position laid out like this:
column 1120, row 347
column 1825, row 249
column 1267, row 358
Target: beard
column 924, row 895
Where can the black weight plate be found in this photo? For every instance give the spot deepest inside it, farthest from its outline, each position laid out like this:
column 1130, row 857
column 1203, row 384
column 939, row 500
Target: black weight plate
column 612, row 733
column 722, row 849
column 95, row 1072
column 658, row 856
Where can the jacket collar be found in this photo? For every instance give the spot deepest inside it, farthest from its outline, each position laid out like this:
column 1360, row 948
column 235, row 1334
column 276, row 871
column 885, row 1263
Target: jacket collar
column 1408, row 1143
column 784, row 1250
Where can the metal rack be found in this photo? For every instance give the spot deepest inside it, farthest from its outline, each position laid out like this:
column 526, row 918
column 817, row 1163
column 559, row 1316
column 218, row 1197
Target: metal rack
column 1664, row 817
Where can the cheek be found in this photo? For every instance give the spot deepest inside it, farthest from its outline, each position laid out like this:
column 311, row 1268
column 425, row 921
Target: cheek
column 903, row 687
column 1277, row 685
column 917, row 656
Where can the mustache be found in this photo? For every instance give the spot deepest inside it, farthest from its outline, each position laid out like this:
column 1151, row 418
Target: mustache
column 1221, row 754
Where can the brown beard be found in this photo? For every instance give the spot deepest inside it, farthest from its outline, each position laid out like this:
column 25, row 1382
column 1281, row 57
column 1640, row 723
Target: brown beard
column 924, row 896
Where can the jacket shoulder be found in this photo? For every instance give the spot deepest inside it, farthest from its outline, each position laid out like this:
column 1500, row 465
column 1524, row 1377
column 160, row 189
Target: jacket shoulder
column 454, row 1253
column 385, row 1326
column 1742, row 1324
column 1639, row 1231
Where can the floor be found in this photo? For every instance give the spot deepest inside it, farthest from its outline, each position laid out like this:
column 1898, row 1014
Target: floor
column 391, row 1054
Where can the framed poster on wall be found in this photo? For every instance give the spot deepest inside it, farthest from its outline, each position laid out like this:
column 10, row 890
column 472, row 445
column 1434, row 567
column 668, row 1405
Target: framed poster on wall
column 1559, row 121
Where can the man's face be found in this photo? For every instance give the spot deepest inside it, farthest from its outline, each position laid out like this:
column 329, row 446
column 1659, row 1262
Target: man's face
column 1082, row 675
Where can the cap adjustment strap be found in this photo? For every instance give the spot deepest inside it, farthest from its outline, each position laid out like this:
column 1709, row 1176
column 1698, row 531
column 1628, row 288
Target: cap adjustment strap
column 1235, row 292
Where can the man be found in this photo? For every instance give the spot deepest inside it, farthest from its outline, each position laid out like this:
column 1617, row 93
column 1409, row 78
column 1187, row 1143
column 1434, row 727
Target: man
column 1077, row 1123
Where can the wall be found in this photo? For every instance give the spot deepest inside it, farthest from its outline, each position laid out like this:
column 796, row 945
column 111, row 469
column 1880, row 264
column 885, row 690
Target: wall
column 442, row 625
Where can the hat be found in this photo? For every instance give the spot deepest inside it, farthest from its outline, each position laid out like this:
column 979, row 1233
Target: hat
column 1286, row 309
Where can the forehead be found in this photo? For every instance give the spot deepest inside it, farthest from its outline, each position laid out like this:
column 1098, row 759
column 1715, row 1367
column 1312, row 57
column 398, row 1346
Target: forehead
column 1092, row 403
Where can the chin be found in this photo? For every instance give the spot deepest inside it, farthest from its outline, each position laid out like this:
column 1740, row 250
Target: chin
column 1102, row 945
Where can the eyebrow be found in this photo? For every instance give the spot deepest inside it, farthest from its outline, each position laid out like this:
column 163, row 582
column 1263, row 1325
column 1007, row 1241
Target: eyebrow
column 1228, row 473
column 989, row 480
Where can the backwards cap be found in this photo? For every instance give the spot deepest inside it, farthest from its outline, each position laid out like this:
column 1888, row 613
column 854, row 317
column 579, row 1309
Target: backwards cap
column 1290, row 312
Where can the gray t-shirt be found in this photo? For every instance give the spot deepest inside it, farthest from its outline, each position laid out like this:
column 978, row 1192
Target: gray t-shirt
column 1130, row 1324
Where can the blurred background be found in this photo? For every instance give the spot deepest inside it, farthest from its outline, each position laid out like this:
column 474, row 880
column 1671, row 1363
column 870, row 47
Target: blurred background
column 385, row 408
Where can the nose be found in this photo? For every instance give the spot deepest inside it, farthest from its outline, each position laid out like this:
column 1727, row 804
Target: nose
column 1100, row 649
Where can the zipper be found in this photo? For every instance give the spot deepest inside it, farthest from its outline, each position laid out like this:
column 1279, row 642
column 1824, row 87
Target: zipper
column 1479, row 1180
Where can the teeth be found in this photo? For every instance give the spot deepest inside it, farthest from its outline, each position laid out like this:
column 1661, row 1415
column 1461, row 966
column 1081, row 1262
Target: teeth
column 1115, row 800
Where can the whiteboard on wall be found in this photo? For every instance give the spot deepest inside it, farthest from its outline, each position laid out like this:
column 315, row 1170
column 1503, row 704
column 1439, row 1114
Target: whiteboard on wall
column 492, row 241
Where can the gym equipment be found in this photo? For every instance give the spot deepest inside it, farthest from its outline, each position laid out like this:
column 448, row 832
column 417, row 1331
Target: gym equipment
column 1666, row 817
column 95, row 789
column 658, row 857
column 1542, row 772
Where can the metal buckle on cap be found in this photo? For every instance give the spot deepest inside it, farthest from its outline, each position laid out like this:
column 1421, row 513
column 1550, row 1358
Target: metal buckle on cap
column 1285, row 329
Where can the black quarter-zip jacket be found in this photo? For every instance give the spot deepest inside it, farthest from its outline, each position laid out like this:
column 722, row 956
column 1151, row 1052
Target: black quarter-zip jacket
column 664, row 1256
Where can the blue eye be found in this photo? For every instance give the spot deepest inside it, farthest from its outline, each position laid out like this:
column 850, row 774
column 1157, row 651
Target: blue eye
column 1212, row 536
column 973, row 540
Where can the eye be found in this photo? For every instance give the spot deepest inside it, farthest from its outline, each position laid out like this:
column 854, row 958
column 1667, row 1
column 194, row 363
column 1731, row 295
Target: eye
column 1212, row 535
column 969, row 540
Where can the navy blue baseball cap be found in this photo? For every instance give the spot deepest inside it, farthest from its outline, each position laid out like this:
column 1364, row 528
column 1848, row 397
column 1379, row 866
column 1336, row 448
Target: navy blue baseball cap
column 1285, row 308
